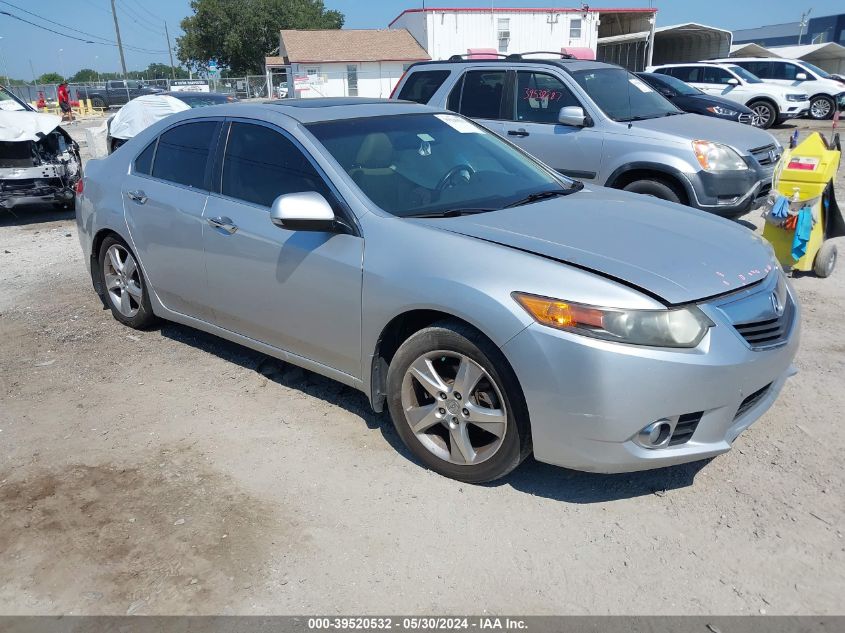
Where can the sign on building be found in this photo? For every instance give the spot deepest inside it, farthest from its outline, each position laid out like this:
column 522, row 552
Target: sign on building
column 189, row 85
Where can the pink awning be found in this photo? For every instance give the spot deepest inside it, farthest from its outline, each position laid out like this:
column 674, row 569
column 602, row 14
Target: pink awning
column 482, row 53
column 580, row 52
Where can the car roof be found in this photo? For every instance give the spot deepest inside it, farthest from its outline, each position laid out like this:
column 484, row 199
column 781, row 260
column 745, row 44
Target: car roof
column 705, row 63
column 569, row 65
column 312, row 110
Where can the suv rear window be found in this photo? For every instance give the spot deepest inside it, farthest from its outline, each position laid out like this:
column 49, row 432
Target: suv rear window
column 421, row 86
column 481, row 94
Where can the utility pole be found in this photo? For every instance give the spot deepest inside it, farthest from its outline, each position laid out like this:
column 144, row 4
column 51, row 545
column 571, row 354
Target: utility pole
column 170, row 52
column 803, row 23
column 119, row 43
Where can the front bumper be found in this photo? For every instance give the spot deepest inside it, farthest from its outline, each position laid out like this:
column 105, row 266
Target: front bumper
column 588, row 398
column 728, row 194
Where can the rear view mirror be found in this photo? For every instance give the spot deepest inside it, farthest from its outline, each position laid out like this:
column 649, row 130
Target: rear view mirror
column 801, row 76
column 306, row 211
column 572, row 115
column 733, row 81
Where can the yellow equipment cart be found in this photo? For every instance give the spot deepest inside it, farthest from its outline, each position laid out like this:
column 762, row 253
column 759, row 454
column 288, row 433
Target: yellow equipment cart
column 805, row 177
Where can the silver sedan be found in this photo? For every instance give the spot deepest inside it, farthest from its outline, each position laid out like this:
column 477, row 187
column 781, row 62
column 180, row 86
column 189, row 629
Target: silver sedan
column 493, row 306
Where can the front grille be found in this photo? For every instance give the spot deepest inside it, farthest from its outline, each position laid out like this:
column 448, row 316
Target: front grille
column 685, row 427
column 768, row 333
column 751, row 400
column 766, row 155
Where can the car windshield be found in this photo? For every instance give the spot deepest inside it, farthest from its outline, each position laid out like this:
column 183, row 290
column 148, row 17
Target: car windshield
column 821, row 73
column 9, row 103
column 623, row 96
column 674, row 83
column 746, row 76
column 435, row 164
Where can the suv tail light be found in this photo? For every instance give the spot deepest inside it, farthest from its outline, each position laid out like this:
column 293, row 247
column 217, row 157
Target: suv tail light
column 79, row 187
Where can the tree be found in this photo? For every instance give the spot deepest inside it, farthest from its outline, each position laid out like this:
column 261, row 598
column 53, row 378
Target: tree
column 85, row 75
column 50, row 78
column 239, row 33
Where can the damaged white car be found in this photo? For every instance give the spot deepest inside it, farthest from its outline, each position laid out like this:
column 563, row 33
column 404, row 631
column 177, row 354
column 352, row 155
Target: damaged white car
column 39, row 161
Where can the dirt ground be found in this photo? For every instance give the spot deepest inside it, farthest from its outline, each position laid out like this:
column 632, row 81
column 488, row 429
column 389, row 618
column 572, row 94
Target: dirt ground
column 170, row 472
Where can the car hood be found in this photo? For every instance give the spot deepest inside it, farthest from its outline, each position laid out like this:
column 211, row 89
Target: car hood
column 698, row 127
column 675, row 253
column 22, row 125
column 704, row 100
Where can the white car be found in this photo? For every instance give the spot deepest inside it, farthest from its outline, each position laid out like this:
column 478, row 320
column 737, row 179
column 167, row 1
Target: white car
column 772, row 104
column 826, row 93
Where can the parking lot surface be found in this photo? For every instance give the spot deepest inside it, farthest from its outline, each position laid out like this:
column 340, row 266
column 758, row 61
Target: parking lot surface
column 170, row 472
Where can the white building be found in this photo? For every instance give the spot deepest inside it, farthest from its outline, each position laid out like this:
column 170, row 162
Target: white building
column 481, row 32
column 344, row 63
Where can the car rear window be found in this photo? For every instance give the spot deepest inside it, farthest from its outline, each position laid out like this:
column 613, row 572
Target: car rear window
column 183, row 153
column 420, row 86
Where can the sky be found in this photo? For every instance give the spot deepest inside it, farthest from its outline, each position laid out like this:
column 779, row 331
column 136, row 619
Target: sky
column 142, row 25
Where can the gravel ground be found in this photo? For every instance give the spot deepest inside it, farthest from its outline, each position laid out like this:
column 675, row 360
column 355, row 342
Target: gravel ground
column 169, row 472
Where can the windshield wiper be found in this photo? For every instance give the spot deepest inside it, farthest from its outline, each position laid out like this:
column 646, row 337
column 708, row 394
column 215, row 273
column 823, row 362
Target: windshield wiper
column 449, row 213
column 577, row 185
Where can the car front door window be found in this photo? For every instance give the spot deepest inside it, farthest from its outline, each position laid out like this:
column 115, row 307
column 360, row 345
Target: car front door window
column 540, row 96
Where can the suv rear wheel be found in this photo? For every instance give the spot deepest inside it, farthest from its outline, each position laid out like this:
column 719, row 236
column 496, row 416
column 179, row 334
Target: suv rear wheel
column 821, row 107
column 654, row 188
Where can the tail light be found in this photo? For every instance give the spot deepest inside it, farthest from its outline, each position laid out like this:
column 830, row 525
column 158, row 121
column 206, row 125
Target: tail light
column 393, row 92
column 79, row 186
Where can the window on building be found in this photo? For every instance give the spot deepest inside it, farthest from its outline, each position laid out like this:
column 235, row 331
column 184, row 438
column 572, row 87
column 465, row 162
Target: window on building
column 420, row 86
column 352, row 79
column 183, row 152
column 575, row 29
column 312, row 70
column 261, row 164
column 539, row 97
column 503, row 33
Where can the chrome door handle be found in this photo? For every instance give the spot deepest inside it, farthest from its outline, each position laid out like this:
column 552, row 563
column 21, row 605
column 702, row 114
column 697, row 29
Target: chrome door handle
column 520, row 132
column 137, row 196
column 223, row 223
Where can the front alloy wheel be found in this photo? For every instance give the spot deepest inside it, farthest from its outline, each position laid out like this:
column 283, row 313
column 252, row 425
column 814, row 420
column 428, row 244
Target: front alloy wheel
column 454, row 408
column 457, row 404
column 821, row 108
column 763, row 115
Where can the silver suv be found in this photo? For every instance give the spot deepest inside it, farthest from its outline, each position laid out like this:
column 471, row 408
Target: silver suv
column 597, row 122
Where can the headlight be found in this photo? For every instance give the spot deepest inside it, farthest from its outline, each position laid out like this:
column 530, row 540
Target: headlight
column 680, row 327
column 717, row 157
column 796, row 97
column 722, row 111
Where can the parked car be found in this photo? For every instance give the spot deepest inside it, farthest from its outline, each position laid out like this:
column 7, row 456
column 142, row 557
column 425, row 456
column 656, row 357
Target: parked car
column 494, row 306
column 599, row 123
column 115, row 92
column 693, row 100
column 771, row 103
column 826, row 94
column 145, row 110
column 39, row 161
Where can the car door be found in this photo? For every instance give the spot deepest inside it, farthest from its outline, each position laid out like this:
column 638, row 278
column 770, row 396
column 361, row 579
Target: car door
column 118, row 92
column 299, row 291
column 480, row 95
column 717, row 81
column 164, row 196
column 534, row 106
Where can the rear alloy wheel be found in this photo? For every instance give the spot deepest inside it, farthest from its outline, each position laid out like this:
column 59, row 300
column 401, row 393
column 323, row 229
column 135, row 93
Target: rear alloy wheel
column 98, row 102
column 821, row 108
column 124, row 285
column 456, row 405
column 764, row 115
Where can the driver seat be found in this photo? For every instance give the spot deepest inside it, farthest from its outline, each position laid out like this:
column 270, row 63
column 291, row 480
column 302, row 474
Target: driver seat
column 375, row 172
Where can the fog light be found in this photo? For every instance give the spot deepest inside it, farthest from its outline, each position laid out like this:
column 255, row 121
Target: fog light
column 655, row 435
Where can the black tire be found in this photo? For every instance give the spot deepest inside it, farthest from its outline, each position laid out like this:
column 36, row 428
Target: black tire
column 454, row 336
column 825, row 260
column 99, row 102
column 821, row 108
column 143, row 317
column 767, row 114
column 654, row 188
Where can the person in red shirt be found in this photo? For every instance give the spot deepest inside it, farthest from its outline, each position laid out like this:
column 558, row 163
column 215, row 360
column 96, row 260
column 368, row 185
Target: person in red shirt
column 64, row 102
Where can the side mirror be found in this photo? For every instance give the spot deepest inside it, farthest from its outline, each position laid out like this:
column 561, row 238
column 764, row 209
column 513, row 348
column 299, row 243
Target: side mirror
column 306, row 211
column 572, row 115
column 733, row 81
column 801, row 76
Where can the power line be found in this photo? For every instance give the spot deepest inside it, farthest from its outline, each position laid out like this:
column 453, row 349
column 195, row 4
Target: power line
column 96, row 6
column 133, row 17
column 79, row 39
column 67, row 28
column 142, row 21
column 146, row 10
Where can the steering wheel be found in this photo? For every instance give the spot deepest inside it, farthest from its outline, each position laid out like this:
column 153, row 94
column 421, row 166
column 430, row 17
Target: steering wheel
column 449, row 178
